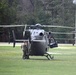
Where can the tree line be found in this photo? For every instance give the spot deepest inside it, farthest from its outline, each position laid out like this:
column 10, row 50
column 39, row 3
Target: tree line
column 47, row 12
column 53, row 12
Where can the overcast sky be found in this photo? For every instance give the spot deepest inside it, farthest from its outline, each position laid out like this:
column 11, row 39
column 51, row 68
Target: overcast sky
column 74, row 1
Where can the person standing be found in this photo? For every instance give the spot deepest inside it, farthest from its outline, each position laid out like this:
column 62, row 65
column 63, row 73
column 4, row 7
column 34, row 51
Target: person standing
column 25, row 50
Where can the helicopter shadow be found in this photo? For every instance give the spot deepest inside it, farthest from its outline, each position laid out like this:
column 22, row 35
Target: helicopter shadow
column 45, row 59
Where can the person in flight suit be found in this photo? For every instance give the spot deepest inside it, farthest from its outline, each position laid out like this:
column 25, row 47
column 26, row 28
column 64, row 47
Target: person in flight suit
column 49, row 37
column 25, row 50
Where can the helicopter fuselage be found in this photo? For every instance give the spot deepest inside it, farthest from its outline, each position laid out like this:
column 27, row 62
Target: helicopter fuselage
column 39, row 42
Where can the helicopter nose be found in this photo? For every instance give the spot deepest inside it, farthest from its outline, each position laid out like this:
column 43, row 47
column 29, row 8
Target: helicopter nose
column 38, row 47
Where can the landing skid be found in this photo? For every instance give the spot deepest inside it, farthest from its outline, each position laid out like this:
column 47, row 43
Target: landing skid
column 49, row 56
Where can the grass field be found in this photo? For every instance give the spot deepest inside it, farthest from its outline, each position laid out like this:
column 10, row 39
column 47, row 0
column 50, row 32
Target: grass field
column 11, row 62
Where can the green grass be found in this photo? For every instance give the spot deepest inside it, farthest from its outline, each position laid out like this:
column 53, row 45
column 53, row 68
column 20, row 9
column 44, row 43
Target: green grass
column 11, row 62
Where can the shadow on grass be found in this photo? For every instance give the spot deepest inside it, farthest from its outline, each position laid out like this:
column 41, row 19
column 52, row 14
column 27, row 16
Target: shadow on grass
column 44, row 59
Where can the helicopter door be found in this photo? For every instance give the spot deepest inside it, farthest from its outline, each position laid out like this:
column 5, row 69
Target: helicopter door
column 53, row 43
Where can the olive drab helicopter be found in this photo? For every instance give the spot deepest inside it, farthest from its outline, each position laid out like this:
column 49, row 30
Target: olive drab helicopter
column 38, row 41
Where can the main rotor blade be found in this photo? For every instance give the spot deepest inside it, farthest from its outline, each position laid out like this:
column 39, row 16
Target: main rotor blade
column 4, row 26
column 24, row 30
column 54, row 26
column 62, row 32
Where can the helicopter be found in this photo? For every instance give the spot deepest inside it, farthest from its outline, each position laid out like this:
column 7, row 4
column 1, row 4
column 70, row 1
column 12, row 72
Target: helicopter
column 37, row 39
